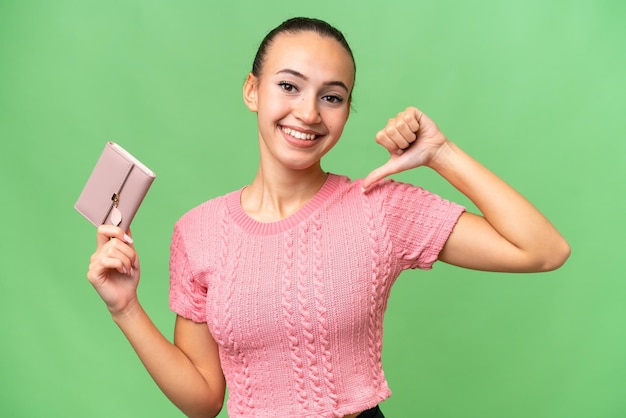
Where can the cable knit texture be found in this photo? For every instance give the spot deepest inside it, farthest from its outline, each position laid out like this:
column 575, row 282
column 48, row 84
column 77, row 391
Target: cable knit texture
column 296, row 306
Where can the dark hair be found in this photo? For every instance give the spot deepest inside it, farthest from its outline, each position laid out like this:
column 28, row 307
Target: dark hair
column 297, row 25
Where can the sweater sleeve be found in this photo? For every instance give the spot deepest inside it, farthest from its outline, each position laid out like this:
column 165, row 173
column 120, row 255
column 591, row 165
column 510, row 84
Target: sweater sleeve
column 187, row 294
column 419, row 223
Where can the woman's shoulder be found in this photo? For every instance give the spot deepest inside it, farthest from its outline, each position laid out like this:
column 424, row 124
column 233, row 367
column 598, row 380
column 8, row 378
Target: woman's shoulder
column 395, row 195
column 206, row 211
column 384, row 187
column 383, row 193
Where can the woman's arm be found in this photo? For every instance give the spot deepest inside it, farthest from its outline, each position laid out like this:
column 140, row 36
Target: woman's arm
column 511, row 235
column 187, row 371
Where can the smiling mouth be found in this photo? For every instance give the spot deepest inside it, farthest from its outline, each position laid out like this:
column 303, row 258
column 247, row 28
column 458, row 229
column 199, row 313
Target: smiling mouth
column 299, row 135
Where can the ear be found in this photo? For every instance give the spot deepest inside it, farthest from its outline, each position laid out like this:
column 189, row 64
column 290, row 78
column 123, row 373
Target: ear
column 250, row 92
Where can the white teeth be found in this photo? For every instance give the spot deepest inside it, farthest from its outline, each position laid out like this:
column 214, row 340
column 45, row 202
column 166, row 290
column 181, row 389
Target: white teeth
column 298, row 134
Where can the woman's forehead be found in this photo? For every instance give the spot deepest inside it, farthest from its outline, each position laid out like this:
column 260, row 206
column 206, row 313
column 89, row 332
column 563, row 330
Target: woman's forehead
column 309, row 52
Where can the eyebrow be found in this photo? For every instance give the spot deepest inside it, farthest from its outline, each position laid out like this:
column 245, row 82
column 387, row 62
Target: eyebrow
column 302, row 76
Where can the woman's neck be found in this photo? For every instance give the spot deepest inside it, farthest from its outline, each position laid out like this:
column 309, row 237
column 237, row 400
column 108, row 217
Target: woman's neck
column 270, row 198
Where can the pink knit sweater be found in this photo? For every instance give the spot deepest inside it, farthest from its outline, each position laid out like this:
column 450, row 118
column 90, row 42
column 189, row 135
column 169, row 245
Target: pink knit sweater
column 296, row 306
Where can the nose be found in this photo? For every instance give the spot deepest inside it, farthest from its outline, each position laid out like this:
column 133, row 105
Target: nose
column 307, row 110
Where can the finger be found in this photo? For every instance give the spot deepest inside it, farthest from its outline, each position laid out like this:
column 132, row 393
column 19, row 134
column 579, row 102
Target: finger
column 106, row 232
column 412, row 117
column 115, row 249
column 128, row 238
column 391, row 138
column 110, row 235
column 404, row 128
column 400, row 131
column 385, row 139
column 408, row 124
column 379, row 173
column 115, row 263
column 116, row 244
column 101, row 266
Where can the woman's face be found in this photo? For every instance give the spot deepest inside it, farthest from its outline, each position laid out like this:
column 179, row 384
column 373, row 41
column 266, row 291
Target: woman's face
column 301, row 98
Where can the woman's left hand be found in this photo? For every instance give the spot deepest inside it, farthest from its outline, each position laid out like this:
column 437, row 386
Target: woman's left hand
column 412, row 139
column 510, row 234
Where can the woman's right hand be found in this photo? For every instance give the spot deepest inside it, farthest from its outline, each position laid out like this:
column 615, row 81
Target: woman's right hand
column 114, row 268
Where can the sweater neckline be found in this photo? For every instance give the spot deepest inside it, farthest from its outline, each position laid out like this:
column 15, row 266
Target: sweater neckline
column 253, row 226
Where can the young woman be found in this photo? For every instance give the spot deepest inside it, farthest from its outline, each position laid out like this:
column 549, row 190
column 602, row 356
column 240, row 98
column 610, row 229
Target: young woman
column 280, row 287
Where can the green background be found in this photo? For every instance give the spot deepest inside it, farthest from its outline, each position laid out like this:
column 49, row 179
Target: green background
column 534, row 89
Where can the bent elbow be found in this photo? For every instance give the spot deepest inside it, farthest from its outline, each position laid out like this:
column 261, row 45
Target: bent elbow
column 211, row 409
column 217, row 409
column 556, row 257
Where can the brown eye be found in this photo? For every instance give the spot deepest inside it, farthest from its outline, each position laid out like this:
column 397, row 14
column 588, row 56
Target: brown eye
column 288, row 87
column 333, row 99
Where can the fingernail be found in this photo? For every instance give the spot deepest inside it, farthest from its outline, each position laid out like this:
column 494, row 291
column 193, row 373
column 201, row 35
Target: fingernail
column 128, row 239
column 400, row 152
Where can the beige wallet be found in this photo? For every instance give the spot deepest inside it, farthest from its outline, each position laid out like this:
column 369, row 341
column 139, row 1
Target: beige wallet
column 115, row 189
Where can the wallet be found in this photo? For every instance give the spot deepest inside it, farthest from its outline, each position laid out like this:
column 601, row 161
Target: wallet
column 115, row 189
